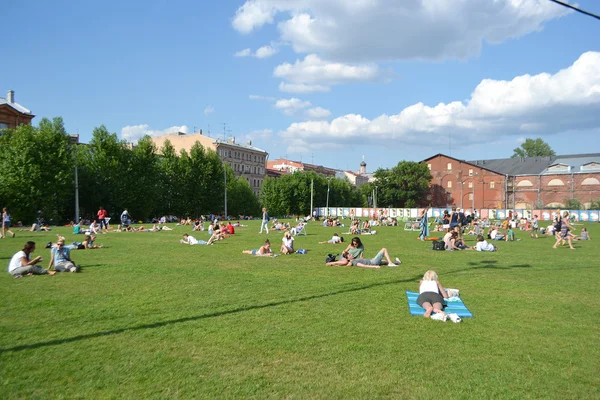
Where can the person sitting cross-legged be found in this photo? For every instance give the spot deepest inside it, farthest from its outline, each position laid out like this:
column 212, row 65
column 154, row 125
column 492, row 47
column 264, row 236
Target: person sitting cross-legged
column 21, row 264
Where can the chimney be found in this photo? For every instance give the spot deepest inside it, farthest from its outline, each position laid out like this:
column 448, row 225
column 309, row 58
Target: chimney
column 10, row 96
column 200, row 131
column 249, row 142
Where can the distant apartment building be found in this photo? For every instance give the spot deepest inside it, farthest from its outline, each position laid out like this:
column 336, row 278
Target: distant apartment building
column 245, row 159
column 12, row 113
column 282, row 166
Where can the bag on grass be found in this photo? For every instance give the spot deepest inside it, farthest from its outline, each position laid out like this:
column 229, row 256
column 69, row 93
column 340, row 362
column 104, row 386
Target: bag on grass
column 301, row 251
column 330, row 258
column 439, row 245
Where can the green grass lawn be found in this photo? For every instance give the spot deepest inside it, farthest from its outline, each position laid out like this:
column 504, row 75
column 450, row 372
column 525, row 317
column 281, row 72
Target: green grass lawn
column 150, row 318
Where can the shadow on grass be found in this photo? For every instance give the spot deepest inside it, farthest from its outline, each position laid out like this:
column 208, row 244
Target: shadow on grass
column 202, row 316
column 485, row 264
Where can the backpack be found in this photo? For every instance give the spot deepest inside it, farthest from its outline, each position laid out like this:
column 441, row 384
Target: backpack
column 330, row 258
column 439, row 245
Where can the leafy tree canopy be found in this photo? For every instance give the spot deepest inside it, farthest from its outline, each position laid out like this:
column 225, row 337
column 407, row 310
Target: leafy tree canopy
column 533, row 148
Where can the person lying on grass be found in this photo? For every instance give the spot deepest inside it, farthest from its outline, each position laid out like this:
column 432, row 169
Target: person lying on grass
column 335, row 239
column 88, row 243
column 376, row 262
column 287, row 243
column 264, row 250
column 189, row 239
column 354, row 250
column 21, row 263
column 60, row 258
column 431, row 294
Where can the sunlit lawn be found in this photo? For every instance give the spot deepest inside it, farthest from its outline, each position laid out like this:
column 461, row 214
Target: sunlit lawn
column 150, row 318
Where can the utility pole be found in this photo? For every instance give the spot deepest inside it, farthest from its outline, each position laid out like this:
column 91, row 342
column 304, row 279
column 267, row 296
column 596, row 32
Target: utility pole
column 312, row 190
column 225, row 178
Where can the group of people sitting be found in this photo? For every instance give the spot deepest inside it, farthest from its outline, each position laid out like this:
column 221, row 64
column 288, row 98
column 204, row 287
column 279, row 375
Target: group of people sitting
column 361, row 228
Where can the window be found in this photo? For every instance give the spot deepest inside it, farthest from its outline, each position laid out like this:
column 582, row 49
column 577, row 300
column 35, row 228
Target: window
column 470, row 196
column 470, row 185
column 556, row 182
column 470, row 173
column 525, row 183
column 3, row 126
column 492, row 185
column 429, row 166
column 229, row 153
column 590, row 181
column 449, row 166
column 449, row 184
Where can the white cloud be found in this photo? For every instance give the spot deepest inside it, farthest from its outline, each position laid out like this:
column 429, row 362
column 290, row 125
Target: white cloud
column 132, row 133
column 243, row 53
column 383, row 30
column 318, row 113
column 209, row 110
column 302, row 88
column 313, row 70
column 265, row 52
column 521, row 140
column 290, row 106
column 259, row 97
column 540, row 104
column 261, row 134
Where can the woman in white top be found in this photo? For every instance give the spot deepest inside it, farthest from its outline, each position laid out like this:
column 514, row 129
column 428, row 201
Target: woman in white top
column 6, row 224
column 20, row 264
column 431, row 294
column 287, row 243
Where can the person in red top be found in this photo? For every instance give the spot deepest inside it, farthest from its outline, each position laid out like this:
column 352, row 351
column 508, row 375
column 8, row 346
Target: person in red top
column 102, row 219
column 230, row 228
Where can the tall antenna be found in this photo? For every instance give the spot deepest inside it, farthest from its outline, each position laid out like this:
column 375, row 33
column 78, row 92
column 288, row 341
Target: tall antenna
column 312, row 160
column 224, row 129
column 209, row 130
column 449, row 145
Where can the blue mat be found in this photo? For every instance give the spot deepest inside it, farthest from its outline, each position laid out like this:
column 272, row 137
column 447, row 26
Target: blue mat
column 457, row 307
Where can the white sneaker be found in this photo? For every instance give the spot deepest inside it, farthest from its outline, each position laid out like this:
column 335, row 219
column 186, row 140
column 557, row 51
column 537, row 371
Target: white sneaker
column 398, row 262
column 441, row 316
column 454, row 318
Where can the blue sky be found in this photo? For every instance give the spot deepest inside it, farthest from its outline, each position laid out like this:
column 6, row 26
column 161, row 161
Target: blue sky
column 328, row 81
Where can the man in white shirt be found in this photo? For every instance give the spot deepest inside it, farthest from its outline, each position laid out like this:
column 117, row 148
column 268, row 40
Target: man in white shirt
column 483, row 245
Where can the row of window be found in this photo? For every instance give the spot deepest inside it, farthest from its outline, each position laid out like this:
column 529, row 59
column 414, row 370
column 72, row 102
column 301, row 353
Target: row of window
column 248, row 169
column 238, row 155
column 492, row 185
column 449, row 166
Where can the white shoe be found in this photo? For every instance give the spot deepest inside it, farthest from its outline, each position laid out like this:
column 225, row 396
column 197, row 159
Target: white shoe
column 454, row 318
column 398, row 262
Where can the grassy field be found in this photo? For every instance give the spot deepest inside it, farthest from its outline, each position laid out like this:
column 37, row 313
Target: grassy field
column 150, row 318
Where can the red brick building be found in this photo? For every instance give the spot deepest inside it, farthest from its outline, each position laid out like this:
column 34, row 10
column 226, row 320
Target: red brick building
column 518, row 183
column 13, row 114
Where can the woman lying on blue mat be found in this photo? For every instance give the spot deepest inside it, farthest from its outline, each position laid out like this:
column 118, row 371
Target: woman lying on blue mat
column 431, row 294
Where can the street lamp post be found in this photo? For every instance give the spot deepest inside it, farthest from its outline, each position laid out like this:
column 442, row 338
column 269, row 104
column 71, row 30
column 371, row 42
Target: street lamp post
column 225, row 178
column 327, row 206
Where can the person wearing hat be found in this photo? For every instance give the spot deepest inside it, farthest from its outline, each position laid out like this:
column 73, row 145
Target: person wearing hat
column 60, row 258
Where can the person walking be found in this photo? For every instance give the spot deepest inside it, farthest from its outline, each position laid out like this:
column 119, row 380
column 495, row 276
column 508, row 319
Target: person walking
column 424, row 223
column 6, row 223
column 265, row 221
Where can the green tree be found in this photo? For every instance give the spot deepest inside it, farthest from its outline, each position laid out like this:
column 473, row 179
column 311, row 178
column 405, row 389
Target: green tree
column 404, row 185
column 533, row 148
column 141, row 196
column 36, row 171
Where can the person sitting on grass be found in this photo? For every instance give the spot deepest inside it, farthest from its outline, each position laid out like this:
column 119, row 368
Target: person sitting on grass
column 431, row 294
column 585, row 235
column 21, row 264
column 335, row 239
column 494, row 235
column 354, row 250
column 190, row 240
column 483, row 245
column 287, row 243
column 376, row 262
column 60, row 258
column 264, row 250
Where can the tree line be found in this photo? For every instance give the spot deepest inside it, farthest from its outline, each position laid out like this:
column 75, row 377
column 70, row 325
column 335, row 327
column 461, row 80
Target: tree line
column 39, row 166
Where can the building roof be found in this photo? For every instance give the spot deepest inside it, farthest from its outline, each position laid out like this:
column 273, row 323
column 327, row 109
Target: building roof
column 16, row 106
column 244, row 146
column 516, row 166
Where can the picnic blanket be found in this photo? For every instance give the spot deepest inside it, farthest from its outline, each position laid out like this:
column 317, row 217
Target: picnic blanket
column 453, row 305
